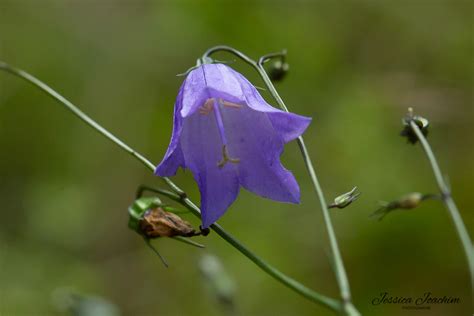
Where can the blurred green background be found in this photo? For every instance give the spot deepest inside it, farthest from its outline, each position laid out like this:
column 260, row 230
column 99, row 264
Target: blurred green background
column 355, row 67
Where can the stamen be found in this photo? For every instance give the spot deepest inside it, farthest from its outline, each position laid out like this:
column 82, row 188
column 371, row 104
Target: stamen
column 207, row 107
column 230, row 104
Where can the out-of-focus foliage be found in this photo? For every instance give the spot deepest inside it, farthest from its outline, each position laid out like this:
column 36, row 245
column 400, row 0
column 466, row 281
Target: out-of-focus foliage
column 355, row 67
column 76, row 304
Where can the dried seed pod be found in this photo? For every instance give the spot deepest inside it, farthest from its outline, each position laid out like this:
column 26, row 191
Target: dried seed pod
column 150, row 218
column 157, row 222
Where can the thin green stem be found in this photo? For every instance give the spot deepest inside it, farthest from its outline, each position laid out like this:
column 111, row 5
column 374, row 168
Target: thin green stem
column 81, row 115
column 341, row 275
column 179, row 195
column 448, row 202
column 289, row 282
column 267, row 57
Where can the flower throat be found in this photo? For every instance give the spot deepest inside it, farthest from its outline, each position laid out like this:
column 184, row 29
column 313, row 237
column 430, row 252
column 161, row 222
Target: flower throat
column 208, row 107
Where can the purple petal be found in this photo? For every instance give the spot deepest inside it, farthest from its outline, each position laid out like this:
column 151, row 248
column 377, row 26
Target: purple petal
column 217, row 106
column 194, row 92
column 174, row 157
column 202, row 150
column 288, row 125
column 217, row 80
column 253, row 140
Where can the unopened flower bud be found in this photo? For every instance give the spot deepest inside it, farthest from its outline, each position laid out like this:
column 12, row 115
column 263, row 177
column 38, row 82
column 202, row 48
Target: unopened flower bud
column 409, row 201
column 278, row 70
column 345, row 199
column 406, row 202
column 420, row 121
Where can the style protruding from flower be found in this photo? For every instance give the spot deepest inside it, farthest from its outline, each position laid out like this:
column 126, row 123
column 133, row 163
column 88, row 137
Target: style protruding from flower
column 228, row 136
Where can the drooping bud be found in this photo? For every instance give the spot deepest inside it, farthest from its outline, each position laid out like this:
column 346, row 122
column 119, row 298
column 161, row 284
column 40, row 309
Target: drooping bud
column 278, row 70
column 420, row 121
column 345, row 199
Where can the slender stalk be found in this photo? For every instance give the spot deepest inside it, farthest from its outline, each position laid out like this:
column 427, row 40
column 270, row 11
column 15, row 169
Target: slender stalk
column 289, row 282
column 71, row 107
column 179, row 195
column 341, row 275
column 448, row 202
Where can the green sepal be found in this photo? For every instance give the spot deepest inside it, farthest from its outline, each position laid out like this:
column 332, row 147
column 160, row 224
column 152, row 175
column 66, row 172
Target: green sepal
column 138, row 209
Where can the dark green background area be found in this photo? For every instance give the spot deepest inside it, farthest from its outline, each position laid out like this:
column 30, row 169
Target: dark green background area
column 355, row 67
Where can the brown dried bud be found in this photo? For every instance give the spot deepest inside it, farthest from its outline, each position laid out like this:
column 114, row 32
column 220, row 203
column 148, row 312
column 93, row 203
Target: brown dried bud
column 157, row 222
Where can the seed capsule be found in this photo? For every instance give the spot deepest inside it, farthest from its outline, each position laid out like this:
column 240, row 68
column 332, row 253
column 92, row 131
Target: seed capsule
column 157, row 222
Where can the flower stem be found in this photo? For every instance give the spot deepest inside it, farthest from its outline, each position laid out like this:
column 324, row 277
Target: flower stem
column 179, row 195
column 337, row 258
column 448, row 202
column 291, row 283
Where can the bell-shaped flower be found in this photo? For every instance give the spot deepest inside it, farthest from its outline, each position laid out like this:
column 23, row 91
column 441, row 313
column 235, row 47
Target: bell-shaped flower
column 228, row 136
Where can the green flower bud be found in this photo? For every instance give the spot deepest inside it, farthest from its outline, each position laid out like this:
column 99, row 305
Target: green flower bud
column 420, row 121
column 345, row 199
column 278, row 70
column 406, row 202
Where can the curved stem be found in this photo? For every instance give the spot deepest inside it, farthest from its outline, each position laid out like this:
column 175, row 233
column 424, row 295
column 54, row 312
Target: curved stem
column 289, row 282
column 71, row 107
column 178, row 194
column 339, row 266
column 448, row 202
column 224, row 48
column 267, row 57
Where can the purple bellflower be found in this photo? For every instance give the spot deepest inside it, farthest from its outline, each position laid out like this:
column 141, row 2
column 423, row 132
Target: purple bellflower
column 228, row 136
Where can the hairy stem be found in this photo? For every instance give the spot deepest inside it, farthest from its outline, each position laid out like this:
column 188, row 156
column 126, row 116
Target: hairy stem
column 448, row 202
column 179, row 195
column 341, row 275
